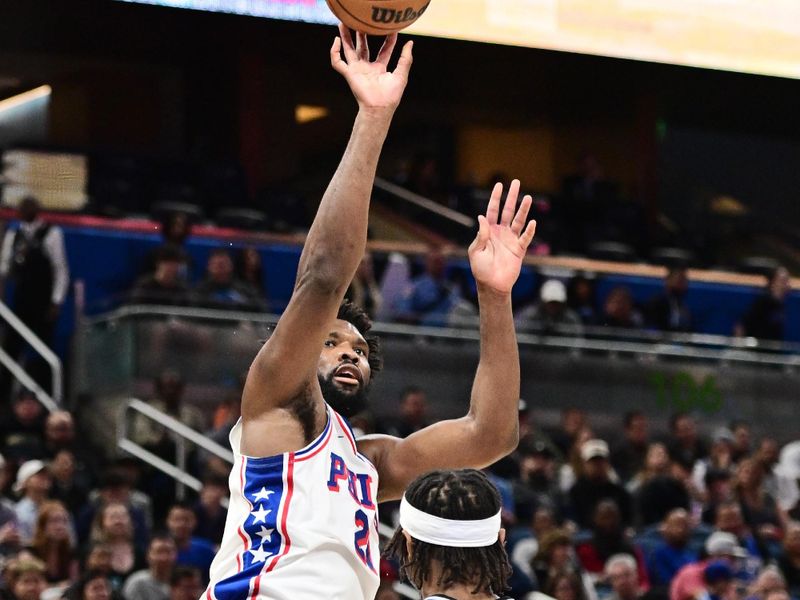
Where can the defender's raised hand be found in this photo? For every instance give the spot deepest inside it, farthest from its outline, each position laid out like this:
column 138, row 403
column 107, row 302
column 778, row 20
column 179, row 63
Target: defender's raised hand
column 374, row 86
column 497, row 252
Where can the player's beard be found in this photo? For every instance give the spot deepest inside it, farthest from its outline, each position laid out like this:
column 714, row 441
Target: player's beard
column 346, row 403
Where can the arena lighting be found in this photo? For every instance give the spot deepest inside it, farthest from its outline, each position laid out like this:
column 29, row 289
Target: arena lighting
column 304, row 113
column 13, row 102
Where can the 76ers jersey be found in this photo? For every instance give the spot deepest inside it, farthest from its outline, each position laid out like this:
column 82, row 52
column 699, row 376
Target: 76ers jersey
column 301, row 525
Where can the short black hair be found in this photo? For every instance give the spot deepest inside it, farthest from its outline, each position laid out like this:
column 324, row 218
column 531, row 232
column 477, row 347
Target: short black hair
column 459, row 495
column 357, row 316
column 181, row 573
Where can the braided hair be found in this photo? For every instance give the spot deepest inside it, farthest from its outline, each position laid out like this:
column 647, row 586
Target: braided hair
column 464, row 495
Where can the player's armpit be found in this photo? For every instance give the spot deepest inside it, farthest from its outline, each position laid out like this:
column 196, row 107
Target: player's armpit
column 453, row 444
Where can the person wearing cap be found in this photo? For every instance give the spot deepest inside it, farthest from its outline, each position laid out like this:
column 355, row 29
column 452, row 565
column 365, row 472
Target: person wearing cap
column 450, row 541
column 537, row 485
column 551, row 314
column 689, row 582
column 595, row 484
column 33, row 484
column 718, row 580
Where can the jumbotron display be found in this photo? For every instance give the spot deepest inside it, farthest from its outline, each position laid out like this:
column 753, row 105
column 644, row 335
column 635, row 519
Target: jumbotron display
column 734, row 35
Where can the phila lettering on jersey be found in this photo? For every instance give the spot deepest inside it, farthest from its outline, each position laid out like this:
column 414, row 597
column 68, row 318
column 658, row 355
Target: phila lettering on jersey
column 301, row 525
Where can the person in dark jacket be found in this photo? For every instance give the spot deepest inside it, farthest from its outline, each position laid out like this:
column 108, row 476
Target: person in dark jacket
column 668, row 311
column 766, row 317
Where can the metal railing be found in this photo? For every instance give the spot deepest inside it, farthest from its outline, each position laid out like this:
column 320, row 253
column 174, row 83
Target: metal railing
column 612, row 341
column 50, row 401
column 425, row 203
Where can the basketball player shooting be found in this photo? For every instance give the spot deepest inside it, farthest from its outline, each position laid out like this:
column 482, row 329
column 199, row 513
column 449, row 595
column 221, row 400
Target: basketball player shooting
column 302, row 521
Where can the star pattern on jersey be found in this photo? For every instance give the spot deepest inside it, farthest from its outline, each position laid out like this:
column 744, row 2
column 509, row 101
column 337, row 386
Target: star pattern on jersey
column 264, row 494
column 260, row 515
column 260, row 555
column 265, row 534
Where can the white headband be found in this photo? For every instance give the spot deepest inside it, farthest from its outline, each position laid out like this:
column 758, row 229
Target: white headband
column 446, row 532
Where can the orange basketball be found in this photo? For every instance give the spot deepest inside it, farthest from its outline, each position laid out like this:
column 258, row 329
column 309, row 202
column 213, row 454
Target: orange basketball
column 378, row 17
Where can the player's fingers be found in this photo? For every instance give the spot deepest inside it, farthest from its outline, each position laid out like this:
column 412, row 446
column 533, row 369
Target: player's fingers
column 347, row 43
column 406, row 59
column 336, row 56
column 510, row 206
column 493, row 210
column 483, row 231
column 522, row 215
column 362, row 46
column 527, row 236
column 385, row 53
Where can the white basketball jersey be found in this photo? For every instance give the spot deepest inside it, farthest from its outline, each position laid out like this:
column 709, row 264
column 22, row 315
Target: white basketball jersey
column 301, row 525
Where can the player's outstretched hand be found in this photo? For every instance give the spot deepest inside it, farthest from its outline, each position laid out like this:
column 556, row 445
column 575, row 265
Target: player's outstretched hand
column 374, row 86
column 497, row 252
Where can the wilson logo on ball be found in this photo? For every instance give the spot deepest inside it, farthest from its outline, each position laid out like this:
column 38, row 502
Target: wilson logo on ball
column 398, row 16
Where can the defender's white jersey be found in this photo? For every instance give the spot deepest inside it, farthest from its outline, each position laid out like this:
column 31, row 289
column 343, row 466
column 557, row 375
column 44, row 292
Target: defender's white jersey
column 301, row 525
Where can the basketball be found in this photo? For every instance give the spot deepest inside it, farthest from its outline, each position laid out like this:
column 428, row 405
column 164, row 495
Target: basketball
column 378, row 17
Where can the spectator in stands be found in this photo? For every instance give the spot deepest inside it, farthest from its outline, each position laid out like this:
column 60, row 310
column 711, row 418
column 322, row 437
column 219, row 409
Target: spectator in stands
column 34, row 483
column 175, row 230
column 659, row 490
column 185, row 584
column 572, row 469
column 689, row 583
column 759, row 509
column 628, row 456
column 609, row 538
column 551, row 314
column 565, row 585
column 25, row 579
column 770, row 580
column 192, row 551
column 223, row 290
column 718, row 490
column 586, row 198
column 742, row 440
column 789, row 558
column 250, row 270
column 113, row 528
column 93, row 585
column 116, row 487
column 34, row 258
column 622, row 573
column 208, row 511
column 766, row 317
column 777, row 484
column 669, row 311
column 364, row 290
column 21, row 431
column 413, row 414
column 720, row 457
column 54, row 543
column 596, row 485
column 169, row 388
column 69, row 487
column 729, row 519
column 573, row 420
column 684, row 445
column 153, row 583
column 9, row 530
column 167, row 284
column 554, row 558
column 430, row 297
column 581, row 299
column 673, row 553
column 525, row 542
column 619, row 311
column 717, row 580
column 537, row 485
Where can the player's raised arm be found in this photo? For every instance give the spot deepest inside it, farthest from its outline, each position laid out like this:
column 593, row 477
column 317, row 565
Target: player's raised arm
column 286, row 366
column 489, row 431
